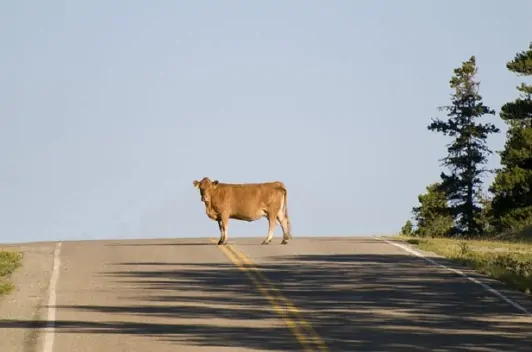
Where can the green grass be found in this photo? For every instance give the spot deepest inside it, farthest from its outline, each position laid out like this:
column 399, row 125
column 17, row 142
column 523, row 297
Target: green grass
column 508, row 262
column 9, row 262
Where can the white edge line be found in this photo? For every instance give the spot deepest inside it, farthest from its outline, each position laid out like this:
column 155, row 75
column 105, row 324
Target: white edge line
column 461, row 273
column 48, row 345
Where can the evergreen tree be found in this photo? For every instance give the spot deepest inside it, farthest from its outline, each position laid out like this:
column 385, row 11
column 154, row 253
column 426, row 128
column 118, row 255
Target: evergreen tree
column 433, row 216
column 407, row 229
column 485, row 217
column 468, row 150
column 512, row 187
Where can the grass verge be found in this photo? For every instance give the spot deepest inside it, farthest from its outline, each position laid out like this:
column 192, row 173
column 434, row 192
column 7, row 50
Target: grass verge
column 508, row 262
column 9, row 262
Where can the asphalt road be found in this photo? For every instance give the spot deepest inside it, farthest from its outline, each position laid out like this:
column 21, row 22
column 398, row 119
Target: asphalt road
column 314, row 294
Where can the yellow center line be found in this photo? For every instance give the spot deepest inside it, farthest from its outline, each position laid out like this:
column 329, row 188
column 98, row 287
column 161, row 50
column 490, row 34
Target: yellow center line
column 246, row 265
column 315, row 337
column 278, row 309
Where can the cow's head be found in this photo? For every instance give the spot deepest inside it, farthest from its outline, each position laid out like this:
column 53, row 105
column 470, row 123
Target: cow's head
column 205, row 187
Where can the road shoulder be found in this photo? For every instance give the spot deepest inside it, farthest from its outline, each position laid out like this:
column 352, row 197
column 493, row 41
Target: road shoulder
column 443, row 263
column 28, row 299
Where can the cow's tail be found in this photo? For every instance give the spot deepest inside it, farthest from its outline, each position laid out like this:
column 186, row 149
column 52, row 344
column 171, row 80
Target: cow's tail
column 286, row 214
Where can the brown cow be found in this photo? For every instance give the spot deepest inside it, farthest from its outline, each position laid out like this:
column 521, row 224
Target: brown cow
column 247, row 202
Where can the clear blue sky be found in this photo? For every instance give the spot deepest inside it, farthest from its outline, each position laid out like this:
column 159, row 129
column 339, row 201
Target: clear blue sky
column 110, row 109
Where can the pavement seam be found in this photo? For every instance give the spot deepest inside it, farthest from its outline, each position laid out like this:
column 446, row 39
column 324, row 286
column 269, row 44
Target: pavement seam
column 461, row 273
column 265, row 287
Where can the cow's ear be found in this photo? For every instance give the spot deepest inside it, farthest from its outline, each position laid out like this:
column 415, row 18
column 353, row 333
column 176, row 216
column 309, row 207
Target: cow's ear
column 215, row 182
column 195, row 183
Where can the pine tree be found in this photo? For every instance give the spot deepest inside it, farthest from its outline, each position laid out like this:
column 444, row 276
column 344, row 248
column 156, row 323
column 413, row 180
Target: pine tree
column 407, row 229
column 432, row 215
column 468, row 150
column 485, row 217
column 512, row 187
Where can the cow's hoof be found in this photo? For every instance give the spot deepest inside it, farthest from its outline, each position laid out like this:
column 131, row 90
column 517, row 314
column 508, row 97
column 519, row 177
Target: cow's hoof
column 265, row 242
column 220, row 242
column 284, row 242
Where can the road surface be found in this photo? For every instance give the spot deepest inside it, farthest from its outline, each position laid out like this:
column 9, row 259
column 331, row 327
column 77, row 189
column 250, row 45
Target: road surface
column 314, row 294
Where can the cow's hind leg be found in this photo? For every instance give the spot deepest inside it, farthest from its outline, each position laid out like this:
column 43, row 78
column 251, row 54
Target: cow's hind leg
column 271, row 228
column 284, row 225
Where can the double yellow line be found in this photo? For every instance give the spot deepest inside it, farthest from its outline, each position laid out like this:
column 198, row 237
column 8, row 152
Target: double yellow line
column 292, row 317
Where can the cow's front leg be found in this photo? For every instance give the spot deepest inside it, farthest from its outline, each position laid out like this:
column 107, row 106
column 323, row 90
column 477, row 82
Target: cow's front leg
column 220, row 241
column 223, row 230
column 271, row 228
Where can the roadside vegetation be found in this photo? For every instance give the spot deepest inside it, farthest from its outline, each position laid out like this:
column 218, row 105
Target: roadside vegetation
column 9, row 262
column 508, row 262
column 487, row 227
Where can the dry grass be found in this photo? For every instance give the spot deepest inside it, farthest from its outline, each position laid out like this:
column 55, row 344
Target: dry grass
column 9, row 262
column 509, row 262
